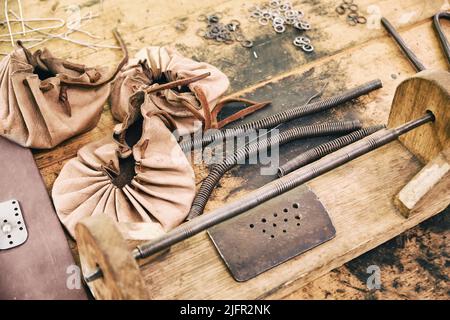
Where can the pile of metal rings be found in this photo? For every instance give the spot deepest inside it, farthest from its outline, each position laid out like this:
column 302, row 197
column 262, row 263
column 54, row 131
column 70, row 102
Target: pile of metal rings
column 222, row 33
column 353, row 16
column 280, row 15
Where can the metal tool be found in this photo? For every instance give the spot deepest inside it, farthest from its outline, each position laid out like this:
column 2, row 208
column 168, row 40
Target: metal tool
column 441, row 35
column 272, row 233
column 218, row 170
column 277, row 187
column 402, row 44
column 324, row 149
column 283, row 116
column 271, row 190
column 13, row 231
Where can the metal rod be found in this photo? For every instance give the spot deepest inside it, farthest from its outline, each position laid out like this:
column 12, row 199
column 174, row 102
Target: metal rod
column 218, row 170
column 277, row 187
column 282, row 117
column 441, row 35
column 402, row 44
column 326, row 148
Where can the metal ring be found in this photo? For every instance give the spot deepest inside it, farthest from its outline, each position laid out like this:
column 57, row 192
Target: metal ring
column 353, row 7
column 239, row 37
column 361, row 20
column 352, row 22
column 201, row 33
column 213, row 18
column 308, row 48
column 263, row 21
column 305, row 25
column 247, row 43
column 274, row 4
column 352, row 15
column 202, row 17
column 279, row 28
column 340, row 10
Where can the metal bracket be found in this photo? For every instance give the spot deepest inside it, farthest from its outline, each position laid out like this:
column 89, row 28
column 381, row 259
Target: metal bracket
column 13, row 231
column 272, row 233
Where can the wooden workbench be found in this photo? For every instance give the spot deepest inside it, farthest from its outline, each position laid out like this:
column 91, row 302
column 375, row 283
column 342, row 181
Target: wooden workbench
column 413, row 265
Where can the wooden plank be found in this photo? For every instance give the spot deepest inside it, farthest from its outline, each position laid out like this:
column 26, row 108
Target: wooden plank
column 345, row 55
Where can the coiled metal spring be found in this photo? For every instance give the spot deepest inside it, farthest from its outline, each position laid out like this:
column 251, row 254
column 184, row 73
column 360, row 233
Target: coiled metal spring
column 217, row 171
column 324, row 149
column 284, row 116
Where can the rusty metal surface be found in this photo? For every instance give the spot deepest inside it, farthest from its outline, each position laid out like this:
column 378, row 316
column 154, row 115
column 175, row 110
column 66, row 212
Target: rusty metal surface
column 272, row 233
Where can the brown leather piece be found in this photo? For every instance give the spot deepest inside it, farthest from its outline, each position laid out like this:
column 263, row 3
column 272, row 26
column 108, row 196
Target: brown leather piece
column 38, row 268
column 146, row 186
column 154, row 70
column 45, row 100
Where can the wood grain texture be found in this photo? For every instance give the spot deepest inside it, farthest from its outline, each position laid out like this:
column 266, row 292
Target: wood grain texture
column 345, row 56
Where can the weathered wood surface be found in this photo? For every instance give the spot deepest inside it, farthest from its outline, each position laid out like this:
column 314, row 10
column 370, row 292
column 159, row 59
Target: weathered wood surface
column 345, row 56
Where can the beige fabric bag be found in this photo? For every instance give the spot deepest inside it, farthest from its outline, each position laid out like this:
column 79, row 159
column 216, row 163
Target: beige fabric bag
column 186, row 89
column 146, row 186
column 45, row 100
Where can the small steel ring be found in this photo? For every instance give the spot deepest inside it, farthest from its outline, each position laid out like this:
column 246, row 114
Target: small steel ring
column 274, row 4
column 263, row 21
column 352, row 15
column 236, row 22
column 267, row 15
column 201, row 33
column 361, row 20
column 256, row 14
column 247, row 43
column 340, row 10
column 239, row 37
column 353, row 7
column 305, row 25
column 348, row 1
column 308, row 48
column 213, row 19
column 352, row 22
column 202, row 17
column 279, row 28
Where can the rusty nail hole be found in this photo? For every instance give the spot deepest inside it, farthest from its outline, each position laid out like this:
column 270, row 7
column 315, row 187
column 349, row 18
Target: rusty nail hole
column 296, row 205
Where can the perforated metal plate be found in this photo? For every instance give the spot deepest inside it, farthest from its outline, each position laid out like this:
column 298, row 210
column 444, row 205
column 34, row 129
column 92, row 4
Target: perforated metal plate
column 272, row 233
column 13, row 231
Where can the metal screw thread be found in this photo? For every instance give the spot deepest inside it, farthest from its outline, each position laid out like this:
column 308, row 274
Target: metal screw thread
column 277, row 187
column 217, row 171
column 284, row 116
column 402, row 44
column 324, row 149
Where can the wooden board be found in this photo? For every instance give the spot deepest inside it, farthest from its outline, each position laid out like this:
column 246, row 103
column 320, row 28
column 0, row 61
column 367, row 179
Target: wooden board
column 345, row 56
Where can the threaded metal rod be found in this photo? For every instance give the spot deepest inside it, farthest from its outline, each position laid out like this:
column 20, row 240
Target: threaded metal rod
column 278, row 187
column 441, row 35
column 402, row 44
column 281, row 117
column 324, row 149
column 217, row 171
